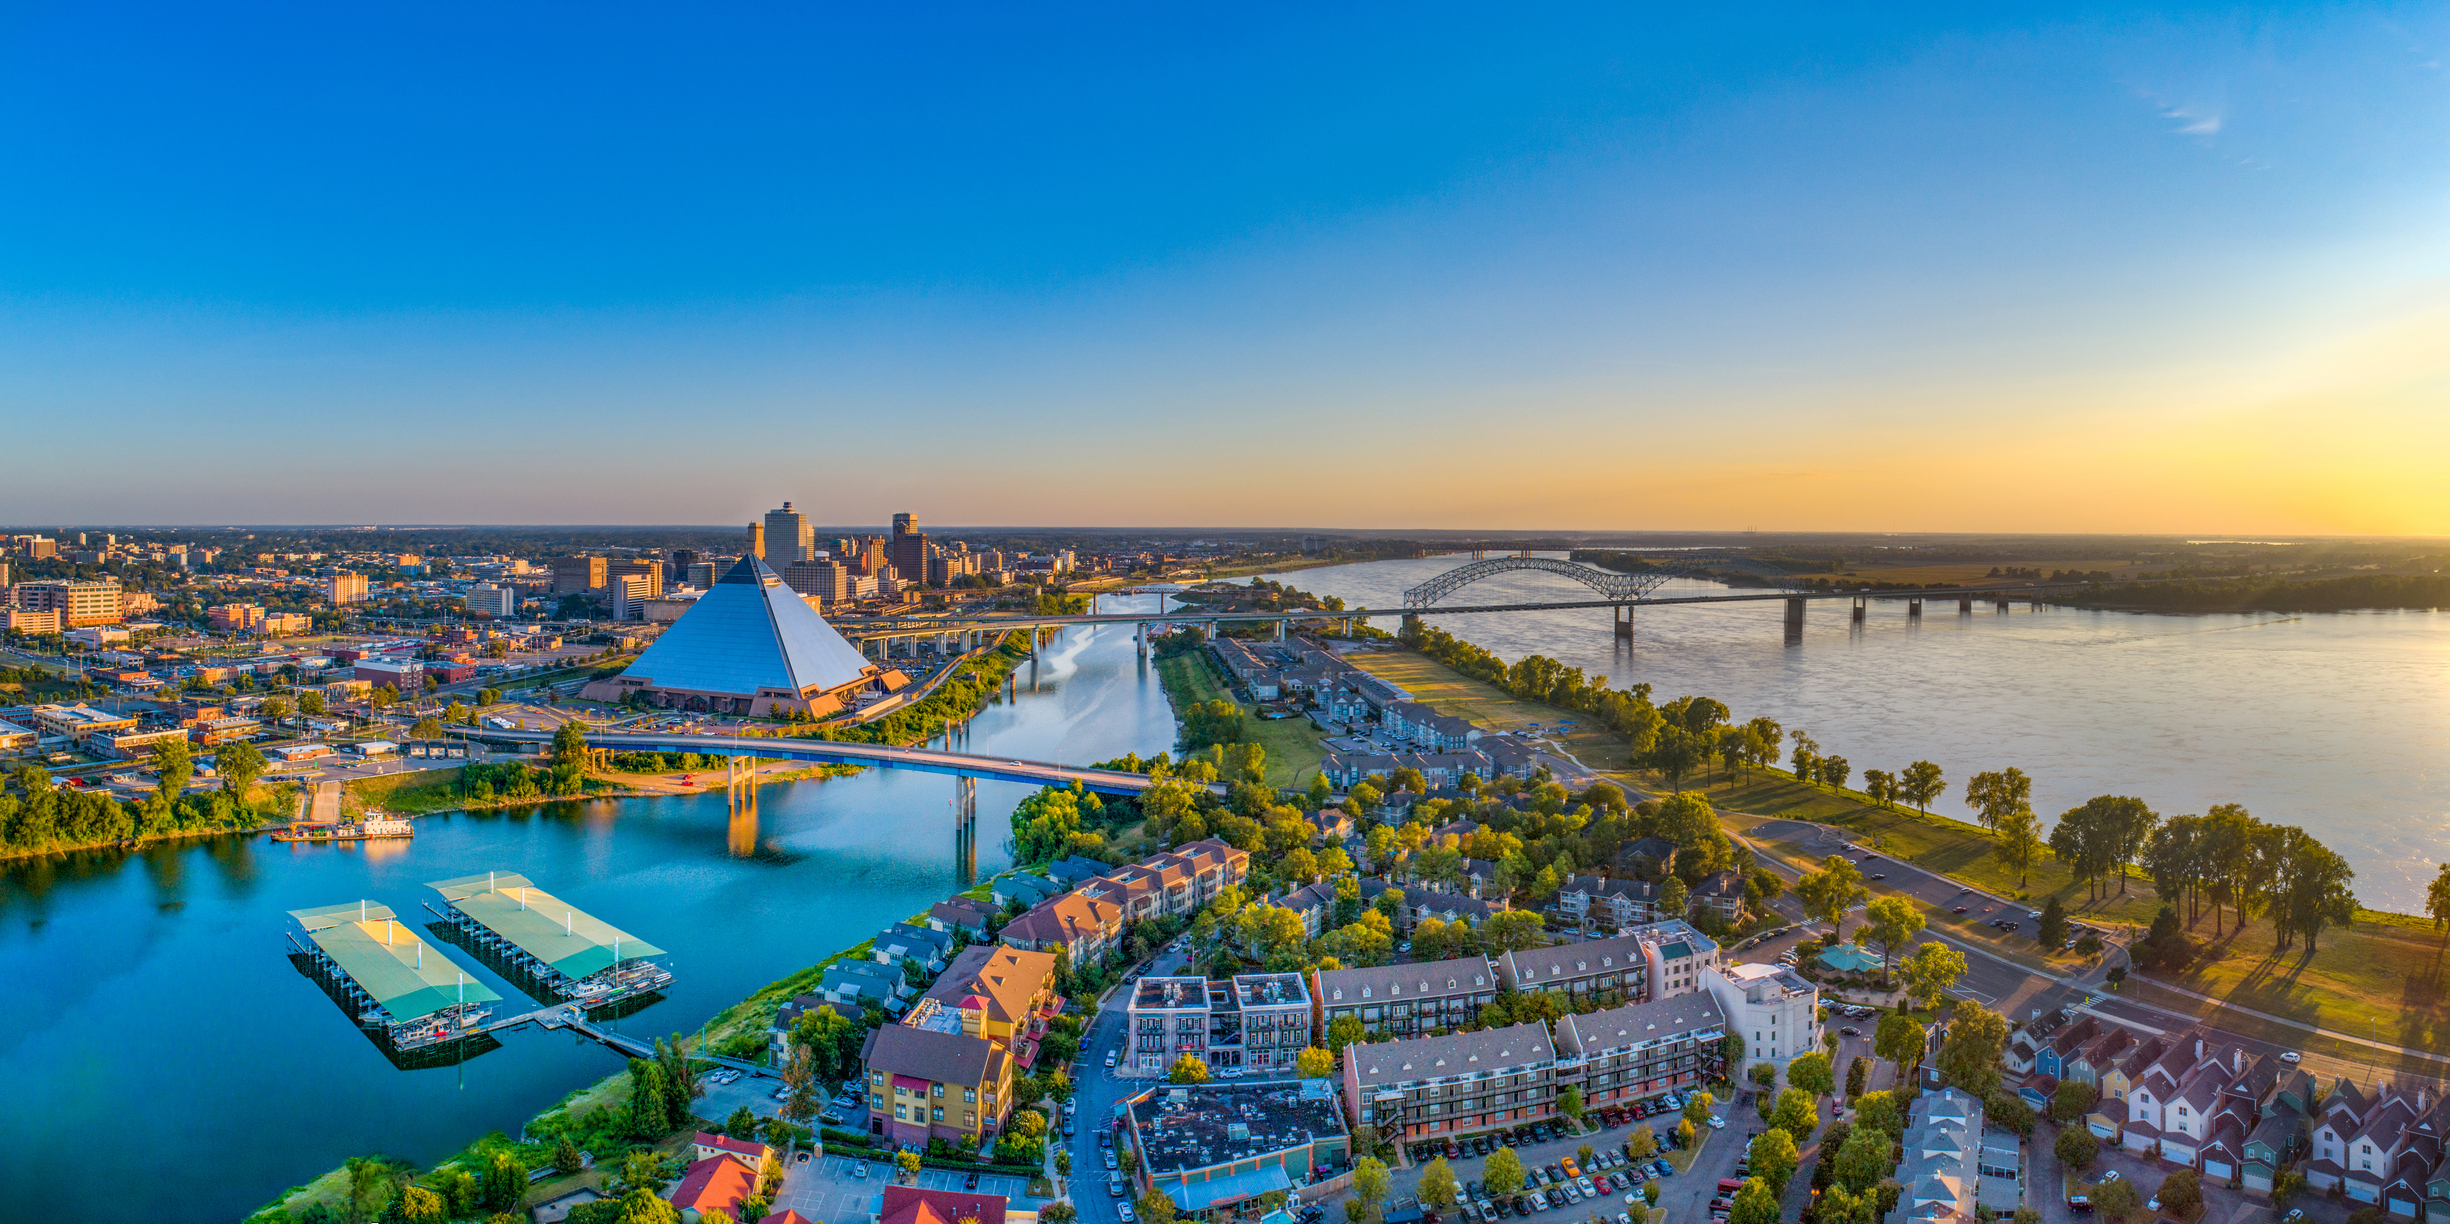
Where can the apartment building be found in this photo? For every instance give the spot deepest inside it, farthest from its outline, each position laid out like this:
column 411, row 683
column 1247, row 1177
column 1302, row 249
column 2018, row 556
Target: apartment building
column 340, row 589
column 1775, row 1010
column 1659, row 960
column 927, row 1084
column 1405, row 1000
column 1641, row 1049
column 577, row 575
column 1085, row 926
column 1177, row 882
column 1457, row 1084
column 1005, row 994
column 1607, row 902
column 1422, row 903
column 1215, row 1147
column 1256, row 1022
column 499, row 602
column 1941, row 1169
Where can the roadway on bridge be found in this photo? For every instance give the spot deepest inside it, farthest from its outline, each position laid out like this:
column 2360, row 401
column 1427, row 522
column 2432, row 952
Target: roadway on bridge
column 924, row 760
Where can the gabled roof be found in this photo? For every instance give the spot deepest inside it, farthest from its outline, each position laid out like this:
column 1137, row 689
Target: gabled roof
column 1426, row 1058
column 750, row 634
column 717, row 1183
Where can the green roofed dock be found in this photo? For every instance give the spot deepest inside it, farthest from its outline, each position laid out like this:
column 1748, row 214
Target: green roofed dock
column 378, row 969
column 561, row 951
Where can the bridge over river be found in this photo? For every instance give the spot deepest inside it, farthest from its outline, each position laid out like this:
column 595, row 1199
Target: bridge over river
column 839, row 752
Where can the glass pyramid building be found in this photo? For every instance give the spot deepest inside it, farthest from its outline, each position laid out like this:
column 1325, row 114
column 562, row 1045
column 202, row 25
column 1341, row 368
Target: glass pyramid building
column 750, row 645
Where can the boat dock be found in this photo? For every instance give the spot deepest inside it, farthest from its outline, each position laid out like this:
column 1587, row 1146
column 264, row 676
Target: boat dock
column 553, row 950
column 377, row 969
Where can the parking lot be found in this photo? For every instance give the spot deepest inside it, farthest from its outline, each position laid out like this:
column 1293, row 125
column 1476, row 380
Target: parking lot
column 1541, row 1153
column 833, row 1188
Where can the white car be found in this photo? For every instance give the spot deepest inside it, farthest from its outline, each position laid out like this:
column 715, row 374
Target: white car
column 1122, row 1211
column 2291, row 1056
column 1717, row 1122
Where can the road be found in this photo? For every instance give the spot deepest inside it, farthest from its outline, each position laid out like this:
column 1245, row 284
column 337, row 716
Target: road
column 1098, row 1092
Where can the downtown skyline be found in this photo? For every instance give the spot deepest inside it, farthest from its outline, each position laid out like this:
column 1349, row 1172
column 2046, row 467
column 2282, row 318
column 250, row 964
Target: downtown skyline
column 1584, row 272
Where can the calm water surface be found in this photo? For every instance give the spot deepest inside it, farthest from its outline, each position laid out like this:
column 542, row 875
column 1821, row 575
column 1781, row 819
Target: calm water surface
column 2337, row 722
column 145, row 1002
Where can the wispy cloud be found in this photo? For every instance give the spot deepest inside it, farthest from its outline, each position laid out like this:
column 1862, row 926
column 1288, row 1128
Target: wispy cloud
column 2191, row 123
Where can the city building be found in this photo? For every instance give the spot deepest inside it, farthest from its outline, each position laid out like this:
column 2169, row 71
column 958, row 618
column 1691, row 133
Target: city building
column 750, row 645
column 1608, row 971
column 1002, row 993
column 16, row 740
column 235, row 618
column 1404, row 1000
column 652, row 571
column 287, row 624
column 1175, row 882
column 823, row 577
column 1772, row 1007
column 78, row 603
column 908, row 549
column 714, row 1183
column 1213, row 1147
column 487, row 599
column 26, row 620
column 1421, row 903
column 1641, row 1049
column 1461, row 1083
column 788, row 537
column 1086, row 927
column 630, row 593
column 79, row 721
column 1258, row 1023
column 339, row 589
column 1941, row 1171
column 402, row 675
column 925, row 1084
column 579, row 575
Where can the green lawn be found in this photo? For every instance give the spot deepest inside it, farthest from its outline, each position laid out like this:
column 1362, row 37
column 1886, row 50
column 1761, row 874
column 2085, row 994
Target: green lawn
column 1294, row 745
column 1448, row 691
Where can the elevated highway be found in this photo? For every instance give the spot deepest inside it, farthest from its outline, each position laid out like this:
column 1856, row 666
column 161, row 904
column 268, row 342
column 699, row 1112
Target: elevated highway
column 837, row 752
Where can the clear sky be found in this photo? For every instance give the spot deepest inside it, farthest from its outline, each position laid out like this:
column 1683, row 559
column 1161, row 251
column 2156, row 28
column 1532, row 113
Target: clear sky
column 1508, row 266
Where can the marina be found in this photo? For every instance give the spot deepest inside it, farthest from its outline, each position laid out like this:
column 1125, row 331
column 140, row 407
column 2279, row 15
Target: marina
column 546, row 946
column 376, row 968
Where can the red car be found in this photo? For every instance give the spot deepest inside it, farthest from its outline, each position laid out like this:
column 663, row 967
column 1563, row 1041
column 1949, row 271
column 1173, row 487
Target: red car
column 1639, row 1112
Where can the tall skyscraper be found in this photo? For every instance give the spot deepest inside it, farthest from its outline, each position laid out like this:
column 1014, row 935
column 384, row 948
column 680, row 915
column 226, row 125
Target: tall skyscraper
column 757, row 539
column 789, row 537
column 908, row 548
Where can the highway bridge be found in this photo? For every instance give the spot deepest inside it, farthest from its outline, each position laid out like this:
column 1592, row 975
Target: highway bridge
column 838, row 752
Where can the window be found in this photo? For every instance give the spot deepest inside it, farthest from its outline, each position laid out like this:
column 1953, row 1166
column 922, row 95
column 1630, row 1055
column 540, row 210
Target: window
column 970, row 1095
column 940, row 1113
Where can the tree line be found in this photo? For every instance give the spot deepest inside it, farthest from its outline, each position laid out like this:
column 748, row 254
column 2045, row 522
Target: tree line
column 44, row 816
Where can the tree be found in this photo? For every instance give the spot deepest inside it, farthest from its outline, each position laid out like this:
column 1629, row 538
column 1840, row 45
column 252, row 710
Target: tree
column 2053, row 930
column 1343, row 1031
column 1831, row 891
column 1314, row 1063
column 1674, row 898
column 1763, row 1075
column 1798, row 1111
column 2117, row 1201
column 1880, row 1111
column 1437, row 1186
column 2072, row 1101
column 649, row 1117
column 172, row 762
column 426, row 728
column 1893, row 921
column 1858, row 1073
column 908, row 1163
column 2437, row 902
column 1642, row 1144
column 1569, row 1103
column 1994, row 795
column 1513, row 931
column 1755, row 1203
column 1157, row 1207
column 1921, row 783
column 1504, row 1173
column 2008, row 1112
column 241, row 763
column 1773, row 1158
column 2181, row 1193
column 1188, row 1069
column 2020, row 842
column 1931, row 971
column 1864, row 1158
column 570, row 744
column 1371, row 1181
column 566, row 1158
column 505, row 1181
column 800, row 1080
column 1698, row 1106
column 1901, row 1040
column 1813, row 1074
column 1969, row 1056
column 419, row 1205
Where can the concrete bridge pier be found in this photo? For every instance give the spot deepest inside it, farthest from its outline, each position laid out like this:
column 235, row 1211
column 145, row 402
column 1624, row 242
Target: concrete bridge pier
column 1207, row 631
column 1965, row 605
column 1862, row 606
column 1914, row 609
column 1139, row 640
column 1620, row 621
column 1280, row 631
column 1794, row 618
column 2004, row 603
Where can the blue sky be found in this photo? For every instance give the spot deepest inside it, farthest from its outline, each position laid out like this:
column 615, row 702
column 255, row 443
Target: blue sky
column 1436, row 267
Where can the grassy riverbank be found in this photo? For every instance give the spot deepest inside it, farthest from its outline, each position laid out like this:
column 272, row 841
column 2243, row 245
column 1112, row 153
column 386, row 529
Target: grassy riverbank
column 1295, row 746
column 2382, row 979
column 1448, row 691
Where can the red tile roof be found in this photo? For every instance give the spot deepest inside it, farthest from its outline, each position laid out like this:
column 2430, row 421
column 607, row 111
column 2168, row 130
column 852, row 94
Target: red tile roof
column 718, row 1182
column 911, row 1205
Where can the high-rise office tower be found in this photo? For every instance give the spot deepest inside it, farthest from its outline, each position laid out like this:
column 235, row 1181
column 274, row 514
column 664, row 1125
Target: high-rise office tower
column 757, row 539
column 909, row 548
column 789, row 537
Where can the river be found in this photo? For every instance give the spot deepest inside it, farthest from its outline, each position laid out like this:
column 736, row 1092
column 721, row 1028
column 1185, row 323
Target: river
column 147, row 1009
column 2335, row 722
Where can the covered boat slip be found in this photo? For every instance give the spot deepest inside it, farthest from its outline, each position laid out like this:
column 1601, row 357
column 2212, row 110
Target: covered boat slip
column 385, row 974
column 571, row 952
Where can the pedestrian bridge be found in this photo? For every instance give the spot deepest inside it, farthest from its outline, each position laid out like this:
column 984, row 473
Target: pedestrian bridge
column 838, row 752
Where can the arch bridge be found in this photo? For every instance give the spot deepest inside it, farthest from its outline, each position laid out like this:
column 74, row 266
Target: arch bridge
column 1613, row 586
